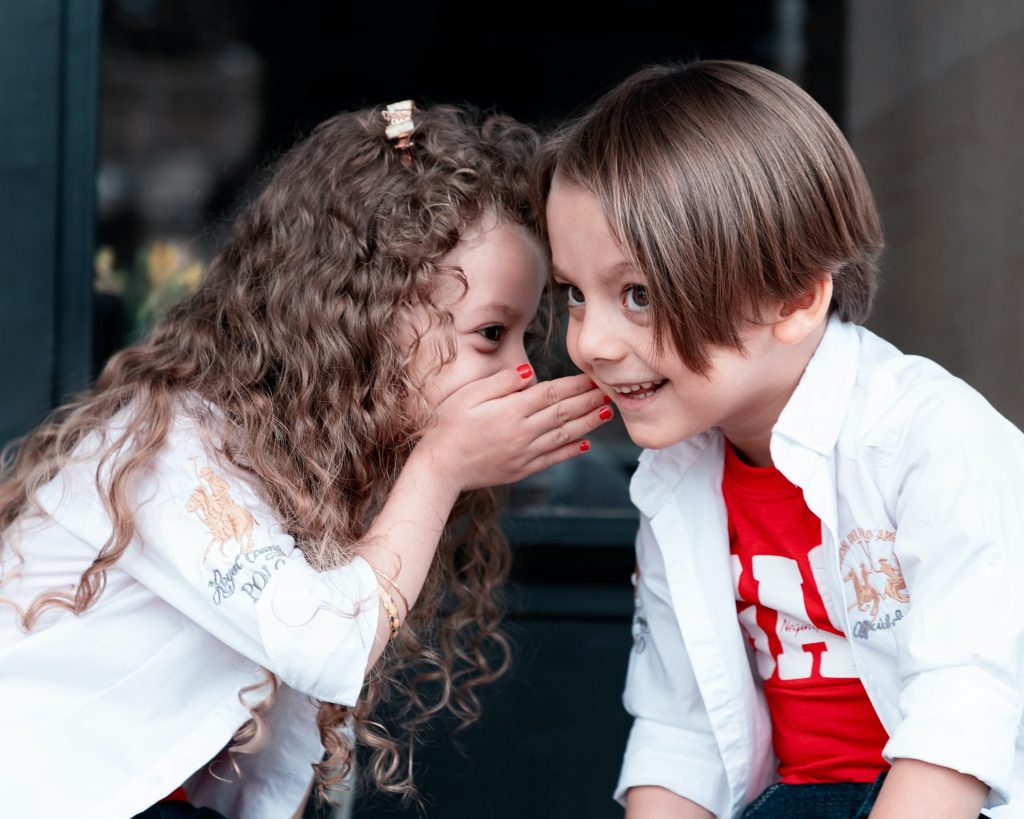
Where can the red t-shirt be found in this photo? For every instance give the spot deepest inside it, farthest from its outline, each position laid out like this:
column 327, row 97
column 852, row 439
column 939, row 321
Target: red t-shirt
column 824, row 728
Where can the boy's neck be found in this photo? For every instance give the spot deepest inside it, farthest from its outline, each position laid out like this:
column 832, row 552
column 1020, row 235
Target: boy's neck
column 751, row 434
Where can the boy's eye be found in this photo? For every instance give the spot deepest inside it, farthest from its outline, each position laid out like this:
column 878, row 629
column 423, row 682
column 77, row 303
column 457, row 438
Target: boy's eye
column 573, row 295
column 492, row 332
column 637, row 297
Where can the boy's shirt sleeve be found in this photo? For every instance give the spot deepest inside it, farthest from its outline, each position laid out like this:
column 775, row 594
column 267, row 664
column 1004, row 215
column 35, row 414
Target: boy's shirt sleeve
column 210, row 547
column 671, row 744
column 958, row 496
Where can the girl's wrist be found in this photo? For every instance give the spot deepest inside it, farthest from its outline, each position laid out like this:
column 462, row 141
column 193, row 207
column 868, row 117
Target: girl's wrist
column 431, row 467
column 430, row 473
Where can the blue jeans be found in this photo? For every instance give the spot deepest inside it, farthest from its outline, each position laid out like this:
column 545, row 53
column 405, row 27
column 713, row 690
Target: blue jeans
column 178, row 810
column 831, row 800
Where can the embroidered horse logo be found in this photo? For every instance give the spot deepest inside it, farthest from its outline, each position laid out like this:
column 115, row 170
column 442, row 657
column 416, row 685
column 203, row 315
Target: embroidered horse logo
column 867, row 595
column 226, row 520
column 895, row 585
column 868, row 591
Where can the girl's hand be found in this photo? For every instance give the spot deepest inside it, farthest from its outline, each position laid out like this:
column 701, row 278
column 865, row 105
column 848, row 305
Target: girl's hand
column 502, row 428
column 489, row 432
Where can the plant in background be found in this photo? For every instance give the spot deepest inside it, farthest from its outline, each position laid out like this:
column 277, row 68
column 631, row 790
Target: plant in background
column 164, row 272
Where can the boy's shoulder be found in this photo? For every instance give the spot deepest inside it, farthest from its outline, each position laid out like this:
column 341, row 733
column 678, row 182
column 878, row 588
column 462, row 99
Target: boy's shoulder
column 889, row 381
column 860, row 390
column 901, row 400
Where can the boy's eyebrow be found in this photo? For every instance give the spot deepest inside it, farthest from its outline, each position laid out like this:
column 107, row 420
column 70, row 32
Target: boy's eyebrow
column 617, row 271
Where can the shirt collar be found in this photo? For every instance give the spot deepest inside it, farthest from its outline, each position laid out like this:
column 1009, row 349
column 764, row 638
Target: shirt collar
column 661, row 469
column 815, row 412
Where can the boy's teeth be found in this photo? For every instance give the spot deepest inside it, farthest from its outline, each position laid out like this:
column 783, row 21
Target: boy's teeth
column 642, row 387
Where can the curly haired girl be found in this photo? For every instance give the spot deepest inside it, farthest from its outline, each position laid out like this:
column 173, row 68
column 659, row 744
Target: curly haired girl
column 204, row 557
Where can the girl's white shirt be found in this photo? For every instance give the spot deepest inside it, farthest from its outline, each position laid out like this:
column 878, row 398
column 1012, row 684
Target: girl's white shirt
column 903, row 463
column 105, row 713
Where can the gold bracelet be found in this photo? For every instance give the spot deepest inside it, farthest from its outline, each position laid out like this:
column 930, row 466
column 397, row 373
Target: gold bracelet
column 390, row 581
column 392, row 611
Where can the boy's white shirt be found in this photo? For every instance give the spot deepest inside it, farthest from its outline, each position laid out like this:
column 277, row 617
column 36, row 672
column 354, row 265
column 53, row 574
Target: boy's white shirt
column 901, row 461
column 104, row 714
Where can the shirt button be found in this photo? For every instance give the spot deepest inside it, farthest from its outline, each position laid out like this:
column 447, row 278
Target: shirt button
column 994, row 556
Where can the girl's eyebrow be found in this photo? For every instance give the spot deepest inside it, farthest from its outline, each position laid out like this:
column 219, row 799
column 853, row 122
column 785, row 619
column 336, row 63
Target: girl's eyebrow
column 506, row 311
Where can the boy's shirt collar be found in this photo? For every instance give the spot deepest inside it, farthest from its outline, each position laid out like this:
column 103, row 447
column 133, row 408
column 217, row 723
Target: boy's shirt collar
column 661, row 469
column 815, row 412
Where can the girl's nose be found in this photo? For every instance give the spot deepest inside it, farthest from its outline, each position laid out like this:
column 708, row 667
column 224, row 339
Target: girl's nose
column 513, row 355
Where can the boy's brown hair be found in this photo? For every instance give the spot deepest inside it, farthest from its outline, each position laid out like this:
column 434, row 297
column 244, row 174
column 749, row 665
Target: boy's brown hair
column 730, row 189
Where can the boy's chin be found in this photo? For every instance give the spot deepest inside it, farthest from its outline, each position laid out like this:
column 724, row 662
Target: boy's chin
column 647, row 436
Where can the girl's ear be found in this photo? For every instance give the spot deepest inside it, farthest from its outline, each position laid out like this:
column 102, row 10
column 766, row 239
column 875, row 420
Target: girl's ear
column 797, row 319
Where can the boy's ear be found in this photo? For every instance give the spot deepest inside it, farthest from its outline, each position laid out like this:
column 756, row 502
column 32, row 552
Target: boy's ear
column 797, row 319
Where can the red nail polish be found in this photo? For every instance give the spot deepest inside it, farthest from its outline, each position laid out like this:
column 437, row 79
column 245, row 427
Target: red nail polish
column 607, row 399
column 605, row 413
column 584, row 446
column 524, row 370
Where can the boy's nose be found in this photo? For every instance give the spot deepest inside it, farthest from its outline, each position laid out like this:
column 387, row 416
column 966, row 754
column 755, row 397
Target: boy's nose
column 594, row 339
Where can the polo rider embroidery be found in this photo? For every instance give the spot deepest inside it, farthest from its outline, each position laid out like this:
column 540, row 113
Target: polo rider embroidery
column 895, row 586
column 860, row 569
column 226, row 520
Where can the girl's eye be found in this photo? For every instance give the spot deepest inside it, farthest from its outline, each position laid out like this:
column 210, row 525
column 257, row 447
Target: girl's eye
column 637, row 297
column 492, row 332
column 573, row 295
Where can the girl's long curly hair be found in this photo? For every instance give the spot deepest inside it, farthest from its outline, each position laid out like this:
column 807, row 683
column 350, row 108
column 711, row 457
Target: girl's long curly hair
column 300, row 337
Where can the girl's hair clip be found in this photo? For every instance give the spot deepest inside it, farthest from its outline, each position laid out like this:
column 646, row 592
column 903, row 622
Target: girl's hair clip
column 400, row 126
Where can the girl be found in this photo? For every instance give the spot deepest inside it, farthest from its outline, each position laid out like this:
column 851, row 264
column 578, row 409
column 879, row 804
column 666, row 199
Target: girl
column 829, row 554
column 204, row 556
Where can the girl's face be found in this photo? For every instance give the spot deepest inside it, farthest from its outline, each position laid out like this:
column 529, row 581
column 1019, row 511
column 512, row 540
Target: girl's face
column 505, row 269
column 611, row 339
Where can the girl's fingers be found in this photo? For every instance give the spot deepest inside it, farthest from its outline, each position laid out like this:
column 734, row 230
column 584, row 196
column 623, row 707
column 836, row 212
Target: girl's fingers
column 561, row 454
column 569, row 409
column 502, row 383
column 532, row 398
column 565, row 434
column 547, row 394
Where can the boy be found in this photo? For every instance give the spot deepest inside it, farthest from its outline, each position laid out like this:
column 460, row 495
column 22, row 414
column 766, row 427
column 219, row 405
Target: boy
column 828, row 557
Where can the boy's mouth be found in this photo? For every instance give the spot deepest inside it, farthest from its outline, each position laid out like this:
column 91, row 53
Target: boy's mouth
column 634, row 392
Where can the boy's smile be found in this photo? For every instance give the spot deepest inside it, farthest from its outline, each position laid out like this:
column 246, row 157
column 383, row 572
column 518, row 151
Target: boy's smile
column 611, row 338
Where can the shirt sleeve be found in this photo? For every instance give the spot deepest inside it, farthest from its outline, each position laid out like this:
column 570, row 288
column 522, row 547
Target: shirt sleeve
column 206, row 544
column 957, row 491
column 671, row 744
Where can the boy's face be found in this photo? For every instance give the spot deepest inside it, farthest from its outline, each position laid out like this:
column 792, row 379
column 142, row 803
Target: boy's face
column 611, row 339
column 505, row 272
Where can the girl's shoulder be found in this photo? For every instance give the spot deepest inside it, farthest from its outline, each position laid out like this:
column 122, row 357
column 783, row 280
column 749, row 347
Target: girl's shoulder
column 187, row 466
